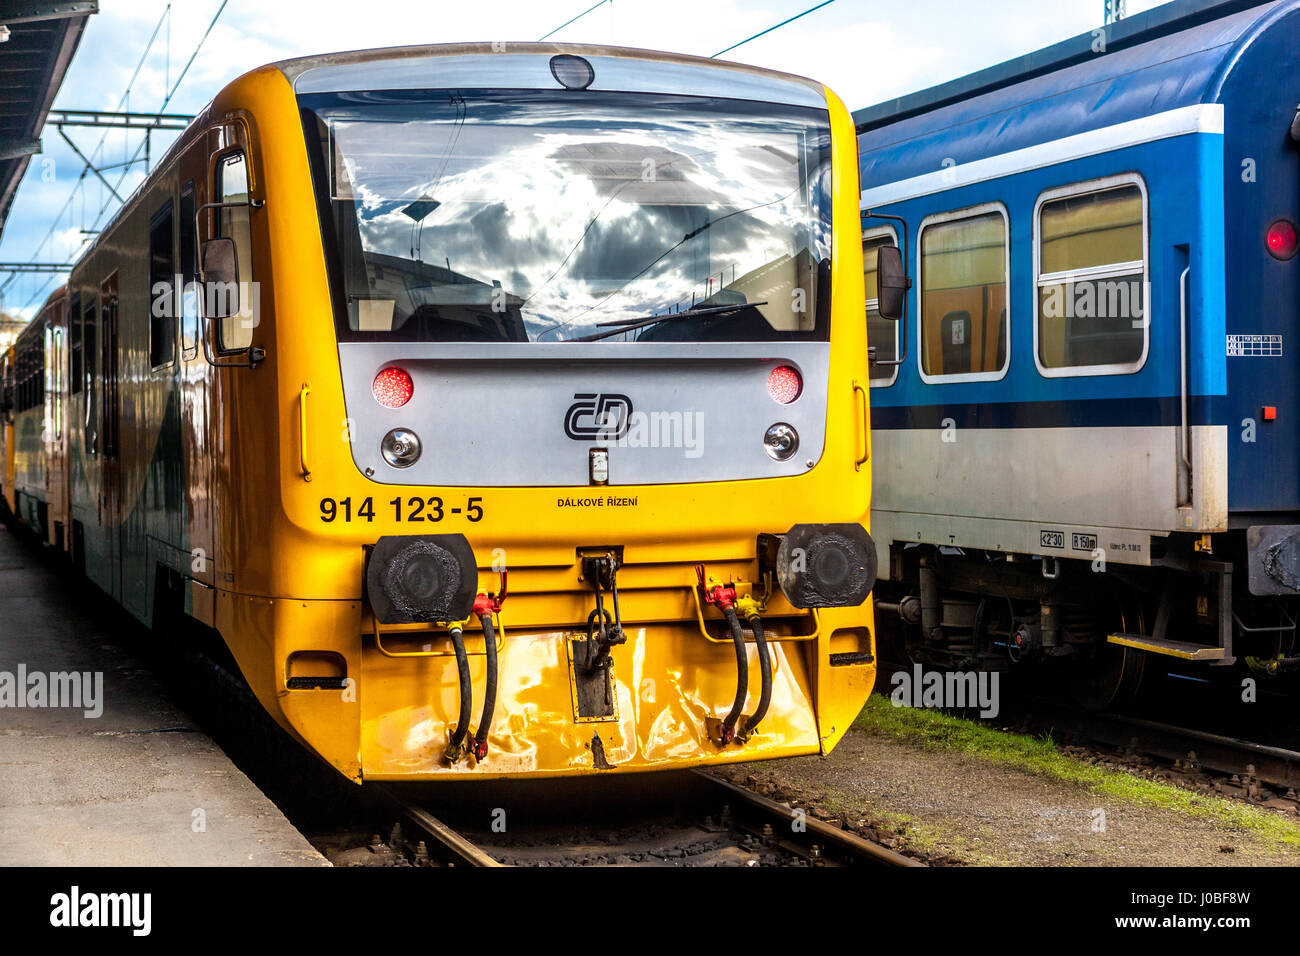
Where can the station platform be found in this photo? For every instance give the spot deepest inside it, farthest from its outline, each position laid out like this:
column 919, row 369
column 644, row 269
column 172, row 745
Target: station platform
column 117, row 775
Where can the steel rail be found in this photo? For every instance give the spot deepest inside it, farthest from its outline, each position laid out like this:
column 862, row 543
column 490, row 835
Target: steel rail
column 453, row 845
column 839, row 843
column 1273, row 765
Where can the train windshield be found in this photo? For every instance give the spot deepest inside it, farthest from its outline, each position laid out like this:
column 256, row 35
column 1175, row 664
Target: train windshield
column 538, row 216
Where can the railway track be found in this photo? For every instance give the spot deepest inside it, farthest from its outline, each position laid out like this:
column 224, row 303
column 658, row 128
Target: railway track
column 1188, row 750
column 1185, row 748
column 692, row 819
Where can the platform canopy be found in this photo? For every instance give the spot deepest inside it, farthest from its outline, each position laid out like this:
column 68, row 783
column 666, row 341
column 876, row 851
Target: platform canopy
column 37, row 41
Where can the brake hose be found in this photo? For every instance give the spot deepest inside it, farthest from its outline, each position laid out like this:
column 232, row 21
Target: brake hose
column 728, row 732
column 490, row 691
column 452, row 753
column 765, row 667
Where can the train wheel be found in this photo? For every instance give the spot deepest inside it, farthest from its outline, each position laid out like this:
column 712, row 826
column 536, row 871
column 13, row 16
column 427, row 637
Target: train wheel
column 1110, row 679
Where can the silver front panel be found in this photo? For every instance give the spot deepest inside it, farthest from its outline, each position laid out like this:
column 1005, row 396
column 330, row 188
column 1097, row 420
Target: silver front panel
column 529, row 414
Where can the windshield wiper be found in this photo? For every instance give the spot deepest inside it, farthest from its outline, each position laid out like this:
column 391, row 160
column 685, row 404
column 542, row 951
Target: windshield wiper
column 631, row 325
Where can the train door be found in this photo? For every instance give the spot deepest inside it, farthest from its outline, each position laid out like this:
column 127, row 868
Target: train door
column 227, row 340
column 195, row 390
column 7, row 428
column 110, row 469
column 56, row 490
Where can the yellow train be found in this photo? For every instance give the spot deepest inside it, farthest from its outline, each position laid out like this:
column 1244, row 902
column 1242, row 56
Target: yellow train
column 503, row 408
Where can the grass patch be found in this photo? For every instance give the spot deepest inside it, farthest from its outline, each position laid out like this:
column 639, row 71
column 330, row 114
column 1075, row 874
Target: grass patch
column 920, row 835
column 936, row 730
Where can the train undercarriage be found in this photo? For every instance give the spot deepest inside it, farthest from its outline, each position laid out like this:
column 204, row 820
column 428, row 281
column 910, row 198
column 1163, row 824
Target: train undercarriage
column 1093, row 628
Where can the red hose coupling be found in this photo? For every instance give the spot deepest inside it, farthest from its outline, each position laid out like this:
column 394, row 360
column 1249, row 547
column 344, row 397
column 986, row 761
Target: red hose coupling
column 722, row 596
column 485, row 603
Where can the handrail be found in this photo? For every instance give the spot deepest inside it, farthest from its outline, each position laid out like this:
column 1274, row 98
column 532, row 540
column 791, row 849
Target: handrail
column 1184, row 426
column 432, row 632
column 859, row 461
column 302, row 432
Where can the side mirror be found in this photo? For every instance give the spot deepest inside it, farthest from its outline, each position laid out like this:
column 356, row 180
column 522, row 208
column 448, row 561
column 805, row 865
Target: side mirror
column 220, row 266
column 892, row 282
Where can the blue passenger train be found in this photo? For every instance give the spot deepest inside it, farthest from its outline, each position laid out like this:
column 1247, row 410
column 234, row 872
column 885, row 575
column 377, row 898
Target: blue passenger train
column 1086, row 424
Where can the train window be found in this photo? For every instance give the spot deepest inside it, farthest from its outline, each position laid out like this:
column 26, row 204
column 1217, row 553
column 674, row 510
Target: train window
column 54, row 376
column 108, row 359
column 162, row 297
column 716, row 211
column 39, row 370
column 90, row 356
column 963, row 277
column 187, row 250
column 1091, row 277
column 74, row 343
column 882, row 334
column 235, row 332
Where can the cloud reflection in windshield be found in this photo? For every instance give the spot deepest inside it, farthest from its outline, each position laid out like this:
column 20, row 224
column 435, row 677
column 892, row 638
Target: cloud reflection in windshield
column 578, row 217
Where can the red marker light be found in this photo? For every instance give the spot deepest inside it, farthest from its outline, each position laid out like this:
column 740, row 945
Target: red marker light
column 1281, row 239
column 393, row 387
column 784, row 384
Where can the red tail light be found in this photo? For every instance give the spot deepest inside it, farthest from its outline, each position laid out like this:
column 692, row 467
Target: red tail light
column 393, row 387
column 784, row 384
column 1281, row 239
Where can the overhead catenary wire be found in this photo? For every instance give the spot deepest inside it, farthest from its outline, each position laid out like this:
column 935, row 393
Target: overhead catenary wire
column 79, row 187
column 770, row 29
column 166, row 100
column 594, row 6
column 134, row 156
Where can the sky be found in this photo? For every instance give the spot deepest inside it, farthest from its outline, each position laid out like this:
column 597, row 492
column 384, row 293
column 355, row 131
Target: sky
column 865, row 50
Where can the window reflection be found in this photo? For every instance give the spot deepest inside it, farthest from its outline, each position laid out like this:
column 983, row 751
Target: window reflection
column 528, row 216
column 882, row 334
column 1091, row 281
column 964, row 295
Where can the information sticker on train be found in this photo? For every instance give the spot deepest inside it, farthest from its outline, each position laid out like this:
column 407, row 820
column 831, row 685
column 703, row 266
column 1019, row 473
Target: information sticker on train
column 1255, row 346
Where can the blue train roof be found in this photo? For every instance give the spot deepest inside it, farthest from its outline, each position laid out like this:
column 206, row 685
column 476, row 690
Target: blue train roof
column 1173, row 56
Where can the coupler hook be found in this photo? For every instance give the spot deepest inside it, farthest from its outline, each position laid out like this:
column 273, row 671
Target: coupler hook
column 603, row 631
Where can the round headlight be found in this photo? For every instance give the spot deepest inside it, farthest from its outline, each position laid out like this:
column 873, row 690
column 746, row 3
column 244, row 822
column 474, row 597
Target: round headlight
column 781, row 441
column 401, row 448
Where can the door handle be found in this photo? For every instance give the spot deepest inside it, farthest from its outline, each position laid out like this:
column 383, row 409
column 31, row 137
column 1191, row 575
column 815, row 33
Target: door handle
column 861, row 394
